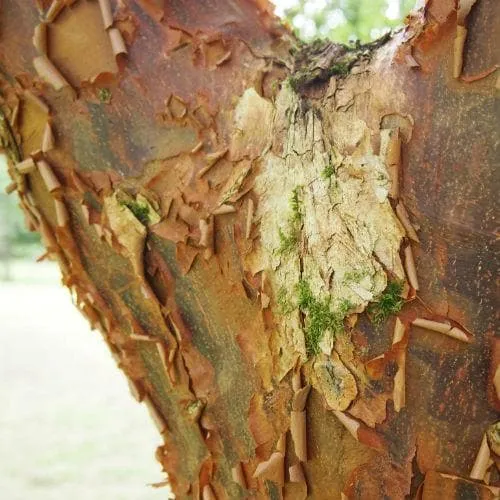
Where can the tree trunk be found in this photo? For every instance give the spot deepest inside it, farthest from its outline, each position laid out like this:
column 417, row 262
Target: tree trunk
column 239, row 216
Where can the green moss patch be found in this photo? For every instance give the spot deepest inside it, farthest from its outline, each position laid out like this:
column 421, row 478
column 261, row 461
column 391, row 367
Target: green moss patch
column 140, row 210
column 389, row 303
column 290, row 239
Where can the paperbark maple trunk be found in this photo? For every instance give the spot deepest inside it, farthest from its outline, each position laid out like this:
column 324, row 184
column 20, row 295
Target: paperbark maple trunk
column 238, row 214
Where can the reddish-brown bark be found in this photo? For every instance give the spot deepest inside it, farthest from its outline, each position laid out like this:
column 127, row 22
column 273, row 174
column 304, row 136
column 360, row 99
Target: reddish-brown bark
column 188, row 319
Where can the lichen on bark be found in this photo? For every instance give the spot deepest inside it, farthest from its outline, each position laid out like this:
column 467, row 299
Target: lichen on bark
column 346, row 228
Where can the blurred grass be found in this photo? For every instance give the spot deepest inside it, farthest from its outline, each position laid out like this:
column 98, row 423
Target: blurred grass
column 68, row 427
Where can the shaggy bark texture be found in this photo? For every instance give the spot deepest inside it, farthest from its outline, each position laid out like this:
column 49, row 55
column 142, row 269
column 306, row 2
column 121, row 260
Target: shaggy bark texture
column 289, row 249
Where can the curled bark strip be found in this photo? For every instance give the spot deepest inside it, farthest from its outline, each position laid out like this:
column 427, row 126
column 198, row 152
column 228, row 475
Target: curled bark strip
column 445, row 328
column 405, row 221
column 210, row 160
column 48, row 139
column 281, row 444
column 107, row 15
column 390, row 148
column 36, row 101
column 11, row 187
column 85, row 212
column 272, row 469
column 224, row 58
column 300, row 398
column 224, row 209
column 117, row 42
column 142, row 338
column 299, row 435
column 496, row 381
column 208, row 493
column 26, row 166
column 238, row 475
column 479, row 76
column 458, row 334
column 155, row 415
column 55, row 8
column 296, row 473
column 482, row 461
column 40, row 38
column 49, row 73
column 48, row 176
column 250, row 212
column 15, row 115
column 435, row 326
column 399, row 391
column 411, row 271
column 62, row 216
column 458, row 50
column 411, row 61
column 464, row 7
column 349, row 423
column 162, row 354
column 207, row 236
column 296, row 381
column 197, row 148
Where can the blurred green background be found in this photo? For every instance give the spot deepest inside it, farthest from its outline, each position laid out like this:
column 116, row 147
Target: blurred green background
column 343, row 20
column 68, row 427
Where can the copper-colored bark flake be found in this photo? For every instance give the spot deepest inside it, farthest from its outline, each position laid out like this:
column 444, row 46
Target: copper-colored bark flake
column 10, row 188
column 296, row 473
column 249, row 140
column 405, row 221
column 445, row 328
column 26, row 166
column 49, row 177
column 458, row 50
column 55, row 8
column 349, row 423
column 411, row 270
column 40, row 38
column 272, row 469
column 48, row 139
column 107, row 15
column 299, row 434
column 79, row 46
column 250, row 212
column 49, row 73
column 482, row 462
column 36, row 101
column 238, row 475
column 390, row 150
column 62, row 216
column 208, row 493
column 117, row 42
column 399, row 391
column 129, row 231
column 300, row 398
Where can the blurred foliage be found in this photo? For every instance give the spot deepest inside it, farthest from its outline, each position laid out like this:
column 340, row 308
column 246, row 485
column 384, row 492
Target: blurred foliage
column 346, row 20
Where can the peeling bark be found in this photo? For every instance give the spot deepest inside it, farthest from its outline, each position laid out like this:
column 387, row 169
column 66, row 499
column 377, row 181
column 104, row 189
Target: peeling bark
column 273, row 242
